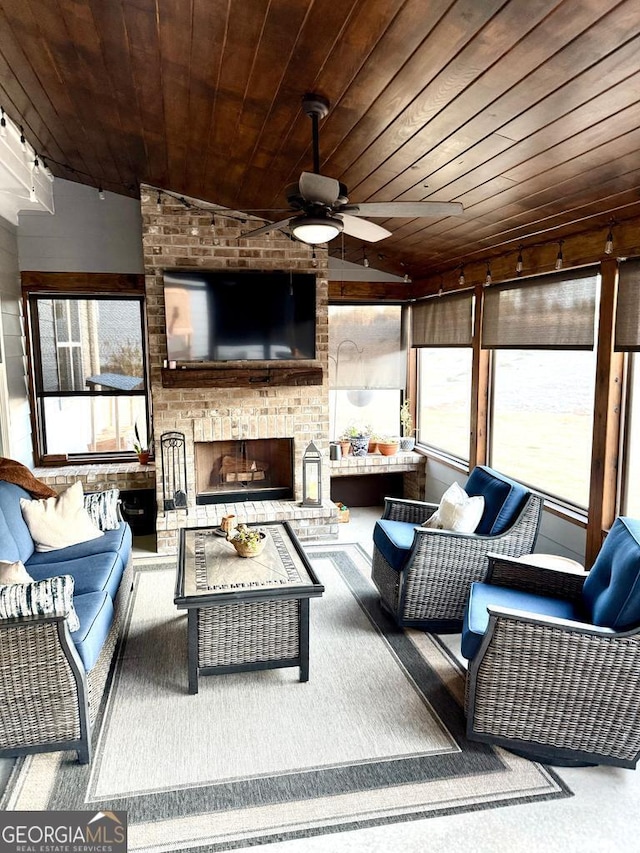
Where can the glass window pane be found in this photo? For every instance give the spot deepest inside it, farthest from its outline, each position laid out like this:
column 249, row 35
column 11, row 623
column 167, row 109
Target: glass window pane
column 379, row 410
column 631, row 504
column 542, row 420
column 444, row 399
column 106, row 337
column 100, row 424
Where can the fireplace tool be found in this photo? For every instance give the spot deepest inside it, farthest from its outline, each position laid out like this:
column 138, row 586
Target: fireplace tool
column 174, row 470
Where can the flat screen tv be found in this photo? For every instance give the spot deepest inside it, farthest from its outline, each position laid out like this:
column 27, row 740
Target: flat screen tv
column 238, row 316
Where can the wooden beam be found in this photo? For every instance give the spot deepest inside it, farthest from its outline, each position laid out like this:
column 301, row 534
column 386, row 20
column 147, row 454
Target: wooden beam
column 603, row 504
column 479, row 389
column 82, row 282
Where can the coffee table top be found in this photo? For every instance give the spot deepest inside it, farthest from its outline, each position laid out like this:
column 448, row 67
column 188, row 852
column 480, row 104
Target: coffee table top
column 211, row 572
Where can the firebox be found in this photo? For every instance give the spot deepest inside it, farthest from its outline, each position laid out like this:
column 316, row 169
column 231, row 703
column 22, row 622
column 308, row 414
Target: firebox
column 244, row 470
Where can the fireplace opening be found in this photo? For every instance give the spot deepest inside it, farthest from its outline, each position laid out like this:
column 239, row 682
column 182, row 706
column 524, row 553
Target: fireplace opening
column 243, row 470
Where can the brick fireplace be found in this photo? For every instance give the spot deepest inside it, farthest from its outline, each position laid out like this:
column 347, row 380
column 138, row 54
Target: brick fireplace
column 206, row 408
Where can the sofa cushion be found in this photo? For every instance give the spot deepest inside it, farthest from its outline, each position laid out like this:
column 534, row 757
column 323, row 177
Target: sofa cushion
column 95, row 612
column 118, row 540
column 59, row 522
column 15, row 540
column 394, row 539
column 93, row 573
column 41, row 598
column 476, row 616
column 611, row 591
column 503, row 499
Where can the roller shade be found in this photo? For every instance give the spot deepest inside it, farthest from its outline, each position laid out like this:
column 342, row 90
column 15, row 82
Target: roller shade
column 443, row 321
column 365, row 347
column 628, row 312
column 543, row 312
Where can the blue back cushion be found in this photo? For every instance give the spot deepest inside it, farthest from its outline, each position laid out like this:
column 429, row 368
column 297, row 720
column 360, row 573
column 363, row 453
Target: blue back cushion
column 611, row 591
column 15, row 540
column 503, row 499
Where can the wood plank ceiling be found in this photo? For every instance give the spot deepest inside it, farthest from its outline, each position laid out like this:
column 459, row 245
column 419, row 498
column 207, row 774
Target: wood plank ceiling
column 526, row 111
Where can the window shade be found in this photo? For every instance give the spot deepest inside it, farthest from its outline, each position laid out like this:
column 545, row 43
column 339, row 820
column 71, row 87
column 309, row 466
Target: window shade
column 443, row 321
column 628, row 312
column 365, row 347
column 543, row 312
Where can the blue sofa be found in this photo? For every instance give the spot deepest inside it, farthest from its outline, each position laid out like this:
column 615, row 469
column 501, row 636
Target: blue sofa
column 53, row 680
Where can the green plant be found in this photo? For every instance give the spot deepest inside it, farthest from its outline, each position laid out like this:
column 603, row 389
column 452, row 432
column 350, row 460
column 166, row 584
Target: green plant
column 248, row 535
column 138, row 446
column 356, row 430
column 388, row 439
column 405, row 418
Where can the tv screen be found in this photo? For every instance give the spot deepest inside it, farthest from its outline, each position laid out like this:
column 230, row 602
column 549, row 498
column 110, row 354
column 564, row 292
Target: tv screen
column 231, row 316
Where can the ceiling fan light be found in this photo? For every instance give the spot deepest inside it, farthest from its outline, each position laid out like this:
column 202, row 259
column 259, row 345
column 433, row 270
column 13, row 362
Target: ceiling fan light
column 314, row 230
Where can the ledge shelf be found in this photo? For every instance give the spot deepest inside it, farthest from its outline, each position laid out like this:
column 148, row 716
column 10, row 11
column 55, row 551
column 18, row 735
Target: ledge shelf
column 239, row 377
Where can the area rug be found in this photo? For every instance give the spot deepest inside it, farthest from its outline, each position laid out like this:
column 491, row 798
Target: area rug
column 375, row 736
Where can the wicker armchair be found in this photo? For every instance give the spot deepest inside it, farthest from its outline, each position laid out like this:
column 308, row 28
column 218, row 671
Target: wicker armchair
column 556, row 674
column 424, row 579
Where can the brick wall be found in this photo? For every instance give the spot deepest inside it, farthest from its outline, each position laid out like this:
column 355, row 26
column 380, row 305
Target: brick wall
column 177, row 237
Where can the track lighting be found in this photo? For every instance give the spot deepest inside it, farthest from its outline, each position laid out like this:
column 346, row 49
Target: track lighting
column 461, row 278
column 608, row 246
column 559, row 256
column 519, row 262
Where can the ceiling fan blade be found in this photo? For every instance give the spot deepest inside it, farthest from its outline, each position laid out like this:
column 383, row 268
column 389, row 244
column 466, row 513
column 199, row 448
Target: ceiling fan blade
column 362, row 229
column 271, row 226
column 318, row 188
column 408, row 209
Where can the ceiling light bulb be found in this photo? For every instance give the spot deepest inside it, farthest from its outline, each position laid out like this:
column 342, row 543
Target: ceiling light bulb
column 100, row 193
column 314, row 230
column 487, row 279
column 608, row 246
column 461, row 278
column 159, row 205
column 559, row 257
column 519, row 263
column 406, row 278
column 365, row 263
column 23, row 141
column 36, row 165
column 3, row 124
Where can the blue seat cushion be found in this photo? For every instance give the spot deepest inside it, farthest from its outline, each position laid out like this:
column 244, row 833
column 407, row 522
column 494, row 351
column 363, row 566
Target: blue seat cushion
column 96, row 573
column 503, row 499
column 95, row 612
column 394, row 539
column 15, row 540
column 611, row 591
column 476, row 615
column 118, row 540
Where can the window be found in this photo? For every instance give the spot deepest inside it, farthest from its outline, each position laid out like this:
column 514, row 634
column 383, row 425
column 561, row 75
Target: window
column 89, row 373
column 444, row 399
column 542, row 419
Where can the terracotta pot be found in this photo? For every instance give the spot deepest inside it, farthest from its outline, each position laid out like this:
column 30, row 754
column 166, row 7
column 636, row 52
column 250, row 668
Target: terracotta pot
column 388, row 448
column 373, row 446
column 345, row 447
column 143, row 458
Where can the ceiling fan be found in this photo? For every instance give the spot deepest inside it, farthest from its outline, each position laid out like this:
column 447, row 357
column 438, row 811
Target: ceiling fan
column 319, row 206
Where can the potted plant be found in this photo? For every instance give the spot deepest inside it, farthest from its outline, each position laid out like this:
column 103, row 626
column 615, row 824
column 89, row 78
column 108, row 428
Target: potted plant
column 141, row 449
column 407, row 441
column 358, row 435
column 374, row 438
column 248, row 541
column 389, row 445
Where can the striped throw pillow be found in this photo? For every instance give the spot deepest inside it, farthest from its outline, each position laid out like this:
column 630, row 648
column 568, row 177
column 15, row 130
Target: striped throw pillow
column 103, row 508
column 40, row 598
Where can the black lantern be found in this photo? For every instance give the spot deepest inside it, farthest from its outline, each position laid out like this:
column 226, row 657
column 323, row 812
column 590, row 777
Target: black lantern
column 312, row 476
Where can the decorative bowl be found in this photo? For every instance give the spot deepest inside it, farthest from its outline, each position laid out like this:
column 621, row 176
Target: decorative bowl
column 249, row 549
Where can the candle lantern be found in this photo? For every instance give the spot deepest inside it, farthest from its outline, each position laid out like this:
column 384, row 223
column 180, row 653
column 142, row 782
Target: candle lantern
column 312, row 476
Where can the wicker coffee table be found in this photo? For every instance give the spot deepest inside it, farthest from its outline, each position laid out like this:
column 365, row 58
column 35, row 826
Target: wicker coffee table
column 245, row 613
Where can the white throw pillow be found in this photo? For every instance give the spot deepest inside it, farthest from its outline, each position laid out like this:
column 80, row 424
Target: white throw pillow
column 59, row 522
column 13, row 572
column 457, row 511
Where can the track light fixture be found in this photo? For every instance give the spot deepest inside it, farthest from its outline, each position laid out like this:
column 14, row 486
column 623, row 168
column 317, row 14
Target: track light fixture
column 519, row 262
column 559, row 256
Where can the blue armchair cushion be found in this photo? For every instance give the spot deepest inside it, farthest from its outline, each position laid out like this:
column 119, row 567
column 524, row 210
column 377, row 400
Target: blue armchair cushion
column 15, row 540
column 394, row 540
column 113, row 540
column 503, row 499
column 95, row 612
column 476, row 615
column 611, row 591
